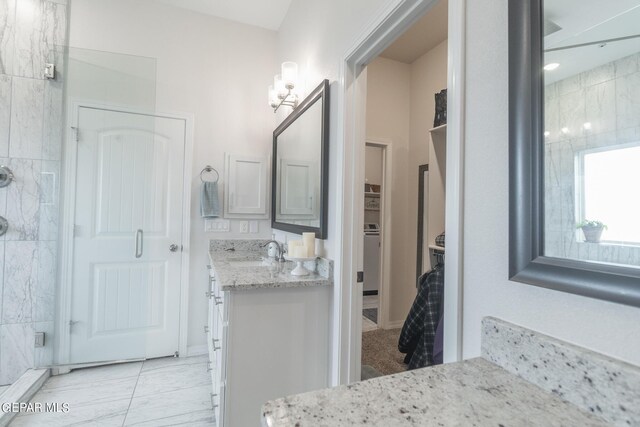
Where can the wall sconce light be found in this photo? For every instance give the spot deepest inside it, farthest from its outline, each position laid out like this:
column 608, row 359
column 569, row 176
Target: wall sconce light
column 281, row 92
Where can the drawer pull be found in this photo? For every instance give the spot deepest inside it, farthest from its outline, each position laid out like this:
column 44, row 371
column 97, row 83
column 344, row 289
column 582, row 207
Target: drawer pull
column 218, row 300
column 206, row 329
column 209, row 368
column 214, row 344
column 209, row 294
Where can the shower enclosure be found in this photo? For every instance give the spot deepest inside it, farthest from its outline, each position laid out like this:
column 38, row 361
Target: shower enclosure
column 80, row 281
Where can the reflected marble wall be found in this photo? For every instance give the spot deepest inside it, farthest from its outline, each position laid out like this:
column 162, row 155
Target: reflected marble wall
column 32, row 33
column 607, row 97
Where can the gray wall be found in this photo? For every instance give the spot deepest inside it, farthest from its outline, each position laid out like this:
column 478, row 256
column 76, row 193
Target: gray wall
column 32, row 33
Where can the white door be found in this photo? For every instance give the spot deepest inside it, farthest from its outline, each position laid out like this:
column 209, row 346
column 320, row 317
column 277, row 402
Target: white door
column 128, row 233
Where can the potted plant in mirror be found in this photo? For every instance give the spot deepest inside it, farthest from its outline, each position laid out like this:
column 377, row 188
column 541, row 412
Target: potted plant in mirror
column 592, row 230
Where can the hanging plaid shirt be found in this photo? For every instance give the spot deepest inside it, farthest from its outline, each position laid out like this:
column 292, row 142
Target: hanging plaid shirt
column 422, row 321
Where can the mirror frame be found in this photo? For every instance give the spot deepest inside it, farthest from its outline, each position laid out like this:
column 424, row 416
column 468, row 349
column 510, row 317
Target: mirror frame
column 421, row 226
column 527, row 263
column 319, row 93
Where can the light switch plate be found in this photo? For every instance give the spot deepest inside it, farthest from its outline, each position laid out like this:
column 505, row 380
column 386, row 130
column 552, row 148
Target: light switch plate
column 253, row 226
column 216, row 225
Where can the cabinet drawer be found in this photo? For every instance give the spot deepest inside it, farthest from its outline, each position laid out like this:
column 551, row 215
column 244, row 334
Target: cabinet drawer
column 218, row 402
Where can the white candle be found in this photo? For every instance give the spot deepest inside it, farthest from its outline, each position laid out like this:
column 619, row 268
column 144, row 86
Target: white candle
column 309, row 240
column 299, row 252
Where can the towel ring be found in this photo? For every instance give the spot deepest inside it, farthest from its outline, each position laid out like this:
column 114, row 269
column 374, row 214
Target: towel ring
column 209, row 169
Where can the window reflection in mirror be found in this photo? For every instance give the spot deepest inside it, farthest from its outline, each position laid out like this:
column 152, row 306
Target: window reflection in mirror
column 592, row 130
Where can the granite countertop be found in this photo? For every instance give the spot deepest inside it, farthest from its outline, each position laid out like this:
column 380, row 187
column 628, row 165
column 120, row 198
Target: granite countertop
column 473, row 392
column 271, row 274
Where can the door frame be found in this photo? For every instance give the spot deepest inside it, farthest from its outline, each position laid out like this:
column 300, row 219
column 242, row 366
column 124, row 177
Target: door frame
column 393, row 21
column 386, row 145
column 67, row 211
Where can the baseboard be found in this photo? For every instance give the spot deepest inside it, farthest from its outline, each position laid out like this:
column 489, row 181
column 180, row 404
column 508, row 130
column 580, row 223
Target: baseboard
column 22, row 391
column 197, row 350
column 394, row 325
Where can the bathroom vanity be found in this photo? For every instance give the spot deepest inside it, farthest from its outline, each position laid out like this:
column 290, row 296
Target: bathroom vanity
column 523, row 378
column 268, row 331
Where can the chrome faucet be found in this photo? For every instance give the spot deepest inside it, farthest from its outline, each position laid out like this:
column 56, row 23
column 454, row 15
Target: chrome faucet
column 281, row 250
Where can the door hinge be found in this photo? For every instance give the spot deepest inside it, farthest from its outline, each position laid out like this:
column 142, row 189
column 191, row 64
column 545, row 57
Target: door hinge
column 76, row 132
column 360, row 277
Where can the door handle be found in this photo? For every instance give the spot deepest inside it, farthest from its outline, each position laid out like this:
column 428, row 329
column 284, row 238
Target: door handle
column 138, row 243
column 173, row 247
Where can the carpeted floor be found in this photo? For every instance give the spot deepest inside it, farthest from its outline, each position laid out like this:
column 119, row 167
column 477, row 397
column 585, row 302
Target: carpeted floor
column 380, row 351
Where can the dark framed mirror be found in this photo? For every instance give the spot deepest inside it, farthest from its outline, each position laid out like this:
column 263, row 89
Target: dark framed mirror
column 422, row 260
column 300, row 172
column 574, row 130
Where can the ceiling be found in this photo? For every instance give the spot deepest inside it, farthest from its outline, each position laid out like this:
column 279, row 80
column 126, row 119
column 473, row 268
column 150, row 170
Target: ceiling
column 585, row 21
column 266, row 14
column 421, row 37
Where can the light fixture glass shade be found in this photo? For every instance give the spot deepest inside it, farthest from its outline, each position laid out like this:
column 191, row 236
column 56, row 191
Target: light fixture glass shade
column 289, row 74
column 273, row 97
column 279, row 86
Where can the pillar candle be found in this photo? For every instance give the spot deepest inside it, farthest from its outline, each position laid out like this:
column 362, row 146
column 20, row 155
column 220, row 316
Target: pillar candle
column 293, row 248
column 309, row 240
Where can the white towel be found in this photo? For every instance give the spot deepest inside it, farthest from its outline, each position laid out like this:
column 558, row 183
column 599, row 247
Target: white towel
column 209, row 202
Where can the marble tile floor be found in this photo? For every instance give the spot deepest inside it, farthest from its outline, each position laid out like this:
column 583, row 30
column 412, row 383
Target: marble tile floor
column 369, row 301
column 158, row 392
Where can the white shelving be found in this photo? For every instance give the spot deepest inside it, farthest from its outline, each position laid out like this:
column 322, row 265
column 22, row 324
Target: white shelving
column 439, row 130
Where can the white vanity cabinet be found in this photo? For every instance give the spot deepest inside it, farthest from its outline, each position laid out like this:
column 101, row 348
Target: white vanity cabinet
column 217, row 345
column 265, row 343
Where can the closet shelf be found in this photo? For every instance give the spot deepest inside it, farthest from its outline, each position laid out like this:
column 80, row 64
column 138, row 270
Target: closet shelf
column 442, row 129
column 371, row 194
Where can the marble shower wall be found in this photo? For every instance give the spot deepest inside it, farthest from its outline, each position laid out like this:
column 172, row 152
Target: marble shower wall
column 32, row 33
column 608, row 97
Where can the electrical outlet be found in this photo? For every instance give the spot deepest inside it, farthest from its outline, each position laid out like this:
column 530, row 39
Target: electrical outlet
column 253, row 226
column 244, row 226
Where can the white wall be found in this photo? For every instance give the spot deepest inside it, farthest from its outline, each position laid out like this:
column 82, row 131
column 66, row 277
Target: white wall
column 605, row 327
column 373, row 165
column 388, row 116
column 428, row 76
column 214, row 69
column 406, row 123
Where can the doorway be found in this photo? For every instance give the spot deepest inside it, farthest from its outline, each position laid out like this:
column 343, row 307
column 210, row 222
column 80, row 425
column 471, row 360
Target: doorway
column 127, row 215
column 372, row 233
column 380, row 36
